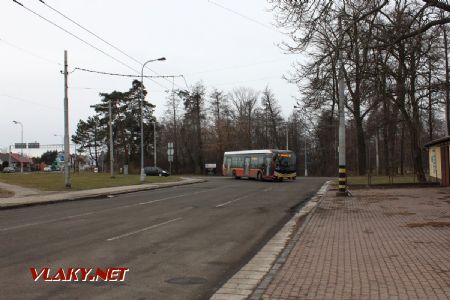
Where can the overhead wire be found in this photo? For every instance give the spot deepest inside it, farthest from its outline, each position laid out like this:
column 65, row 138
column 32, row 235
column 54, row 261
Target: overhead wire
column 100, row 38
column 29, row 52
column 126, row 75
column 82, row 40
column 239, row 66
column 243, row 16
column 29, row 101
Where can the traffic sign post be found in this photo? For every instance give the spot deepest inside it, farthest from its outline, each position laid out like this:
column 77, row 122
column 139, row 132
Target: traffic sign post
column 170, row 153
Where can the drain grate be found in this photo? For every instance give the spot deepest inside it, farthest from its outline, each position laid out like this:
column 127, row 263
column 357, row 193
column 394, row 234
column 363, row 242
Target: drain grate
column 187, row 280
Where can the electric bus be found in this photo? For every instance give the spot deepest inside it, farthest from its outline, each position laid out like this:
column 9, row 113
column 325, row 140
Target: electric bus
column 265, row 164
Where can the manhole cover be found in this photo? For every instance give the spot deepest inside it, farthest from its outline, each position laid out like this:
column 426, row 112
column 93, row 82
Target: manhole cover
column 187, row 280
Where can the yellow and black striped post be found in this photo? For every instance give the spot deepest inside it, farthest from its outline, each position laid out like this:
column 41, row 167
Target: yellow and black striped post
column 341, row 149
column 342, row 181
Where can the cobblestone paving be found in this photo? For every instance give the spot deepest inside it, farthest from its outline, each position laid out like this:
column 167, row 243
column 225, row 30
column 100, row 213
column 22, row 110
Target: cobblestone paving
column 379, row 244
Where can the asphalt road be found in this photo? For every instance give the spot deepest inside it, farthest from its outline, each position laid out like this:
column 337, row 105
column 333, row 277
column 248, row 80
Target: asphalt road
column 179, row 243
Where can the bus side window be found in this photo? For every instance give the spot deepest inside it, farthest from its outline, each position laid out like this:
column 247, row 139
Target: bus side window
column 261, row 162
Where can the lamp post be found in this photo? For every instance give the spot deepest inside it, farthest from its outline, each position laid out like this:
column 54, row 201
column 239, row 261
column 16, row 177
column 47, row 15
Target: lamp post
column 21, row 141
column 142, row 115
column 154, row 143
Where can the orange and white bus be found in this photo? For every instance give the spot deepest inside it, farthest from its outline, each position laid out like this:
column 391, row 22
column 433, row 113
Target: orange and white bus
column 260, row 164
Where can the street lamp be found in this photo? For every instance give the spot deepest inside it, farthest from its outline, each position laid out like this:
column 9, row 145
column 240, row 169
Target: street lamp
column 142, row 116
column 21, row 141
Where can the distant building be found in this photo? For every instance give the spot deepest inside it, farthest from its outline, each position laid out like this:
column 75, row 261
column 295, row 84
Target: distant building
column 438, row 154
column 15, row 159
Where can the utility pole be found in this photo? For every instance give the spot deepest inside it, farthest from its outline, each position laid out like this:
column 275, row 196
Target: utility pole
column 154, row 142
column 111, row 143
column 306, row 159
column 21, row 146
column 377, row 156
column 142, row 177
column 67, row 179
column 174, row 126
column 287, row 136
column 341, row 85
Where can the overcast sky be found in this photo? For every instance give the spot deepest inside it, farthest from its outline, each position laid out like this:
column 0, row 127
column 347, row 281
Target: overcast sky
column 200, row 39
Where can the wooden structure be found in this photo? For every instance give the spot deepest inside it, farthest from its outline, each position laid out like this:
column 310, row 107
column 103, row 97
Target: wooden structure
column 438, row 155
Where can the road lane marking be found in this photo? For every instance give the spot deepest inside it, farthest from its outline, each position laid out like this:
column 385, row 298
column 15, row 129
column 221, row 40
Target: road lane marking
column 229, row 202
column 162, row 199
column 46, row 222
column 142, row 230
column 101, row 211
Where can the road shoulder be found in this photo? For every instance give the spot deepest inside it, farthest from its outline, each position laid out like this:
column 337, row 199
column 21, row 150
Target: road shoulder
column 255, row 274
column 34, row 198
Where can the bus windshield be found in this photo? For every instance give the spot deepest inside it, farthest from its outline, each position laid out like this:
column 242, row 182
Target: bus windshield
column 285, row 162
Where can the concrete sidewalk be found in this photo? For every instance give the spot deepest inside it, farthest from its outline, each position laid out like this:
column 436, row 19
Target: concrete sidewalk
column 378, row 244
column 28, row 197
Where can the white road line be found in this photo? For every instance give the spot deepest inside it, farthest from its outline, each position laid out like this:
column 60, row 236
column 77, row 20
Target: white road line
column 100, row 211
column 46, row 222
column 141, row 230
column 226, row 203
column 162, row 199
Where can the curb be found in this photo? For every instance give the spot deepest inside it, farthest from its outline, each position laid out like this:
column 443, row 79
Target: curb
column 251, row 280
column 94, row 195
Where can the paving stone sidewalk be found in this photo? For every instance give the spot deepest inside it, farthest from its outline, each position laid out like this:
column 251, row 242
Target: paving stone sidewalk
column 378, row 244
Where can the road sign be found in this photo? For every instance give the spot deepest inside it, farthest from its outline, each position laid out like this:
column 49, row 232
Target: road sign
column 20, row 146
column 170, row 152
column 33, row 145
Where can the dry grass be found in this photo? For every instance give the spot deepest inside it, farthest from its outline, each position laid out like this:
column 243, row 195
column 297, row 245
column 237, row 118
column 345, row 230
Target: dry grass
column 80, row 181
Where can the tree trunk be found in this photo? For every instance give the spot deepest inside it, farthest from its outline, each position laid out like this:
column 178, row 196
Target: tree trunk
column 447, row 82
column 430, row 104
column 361, row 147
column 199, row 134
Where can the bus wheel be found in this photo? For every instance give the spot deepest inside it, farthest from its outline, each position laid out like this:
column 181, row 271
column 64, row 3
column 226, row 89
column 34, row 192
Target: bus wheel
column 236, row 177
column 294, row 178
column 259, row 176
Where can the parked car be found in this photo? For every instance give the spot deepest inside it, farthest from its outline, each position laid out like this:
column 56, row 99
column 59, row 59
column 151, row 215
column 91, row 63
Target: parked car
column 9, row 170
column 56, row 168
column 48, row 169
column 155, row 171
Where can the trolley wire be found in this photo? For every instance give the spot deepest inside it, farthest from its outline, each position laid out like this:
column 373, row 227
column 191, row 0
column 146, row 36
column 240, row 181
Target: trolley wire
column 243, row 16
column 98, row 37
column 81, row 40
column 131, row 75
column 29, row 52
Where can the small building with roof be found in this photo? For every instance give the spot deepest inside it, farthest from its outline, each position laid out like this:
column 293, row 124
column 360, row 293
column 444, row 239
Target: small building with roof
column 438, row 155
column 15, row 159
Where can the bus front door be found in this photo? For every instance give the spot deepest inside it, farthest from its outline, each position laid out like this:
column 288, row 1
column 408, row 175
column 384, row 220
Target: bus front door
column 246, row 166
